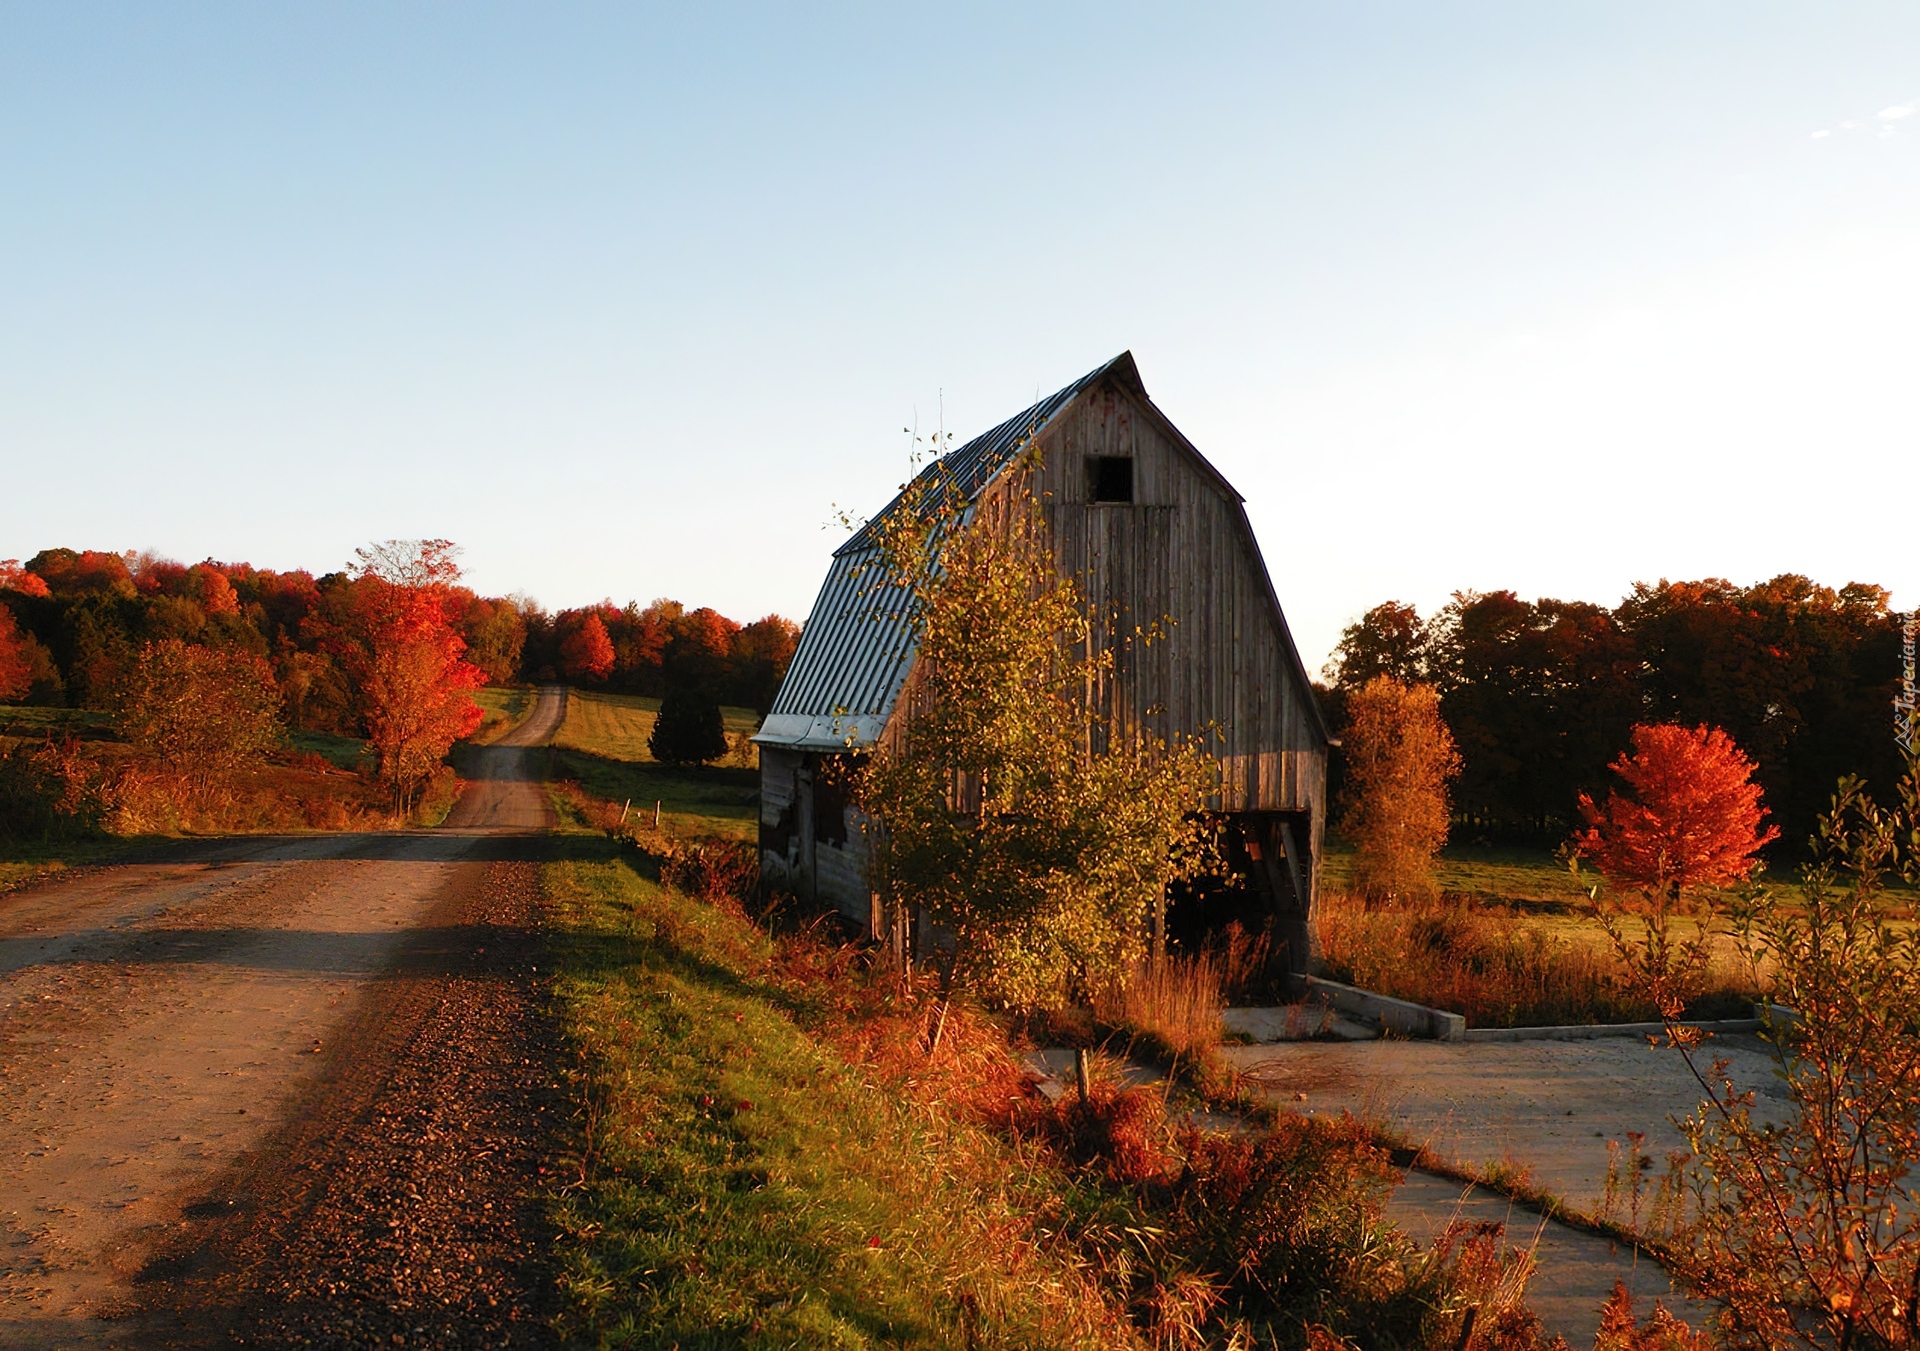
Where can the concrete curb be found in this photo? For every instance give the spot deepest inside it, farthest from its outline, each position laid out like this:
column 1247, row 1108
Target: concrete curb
column 1393, row 1015
column 1591, row 1031
column 1781, row 1016
column 1417, row 1020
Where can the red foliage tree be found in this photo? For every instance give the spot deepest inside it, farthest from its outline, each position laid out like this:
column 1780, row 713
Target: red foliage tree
column 586, row 653
column 71, row 573
column 1693, row 819
column 13, row 577
column 215, row 593
column 16, row 665
column 409, row 658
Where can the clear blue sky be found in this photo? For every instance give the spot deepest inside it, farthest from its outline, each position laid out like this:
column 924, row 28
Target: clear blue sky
column 1549, row 297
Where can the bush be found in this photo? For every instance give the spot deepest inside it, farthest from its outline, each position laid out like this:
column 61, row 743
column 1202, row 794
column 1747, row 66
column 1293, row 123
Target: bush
column 712, row 869
column 1119, row 1130
column 1173, row 1005
column 689, row 730
column 1293, row 1220
column 202, row 712
column 51, row 791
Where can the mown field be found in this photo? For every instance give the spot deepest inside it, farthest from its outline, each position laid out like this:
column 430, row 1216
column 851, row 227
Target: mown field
column 603, row 745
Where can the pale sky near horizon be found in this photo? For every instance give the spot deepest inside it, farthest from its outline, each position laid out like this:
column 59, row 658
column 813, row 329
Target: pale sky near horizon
column 626, row 300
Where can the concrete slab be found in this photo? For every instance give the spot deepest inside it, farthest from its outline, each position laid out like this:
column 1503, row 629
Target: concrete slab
column 1575, row 1271
column 1547, row 1106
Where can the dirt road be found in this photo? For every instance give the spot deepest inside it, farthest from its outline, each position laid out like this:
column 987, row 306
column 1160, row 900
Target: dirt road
column 225, row 1072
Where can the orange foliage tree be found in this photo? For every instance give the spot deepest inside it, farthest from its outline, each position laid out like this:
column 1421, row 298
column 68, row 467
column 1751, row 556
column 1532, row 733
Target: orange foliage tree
column 586, row 653
column 1693, row 817
column 413, row 676
column 1400, row 759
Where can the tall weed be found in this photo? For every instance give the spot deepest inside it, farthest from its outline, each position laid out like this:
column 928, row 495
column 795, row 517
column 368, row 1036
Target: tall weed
column 1172, row 1005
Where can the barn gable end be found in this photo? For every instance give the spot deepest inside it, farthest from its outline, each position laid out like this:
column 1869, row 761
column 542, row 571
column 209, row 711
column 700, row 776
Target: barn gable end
column 1178, row 553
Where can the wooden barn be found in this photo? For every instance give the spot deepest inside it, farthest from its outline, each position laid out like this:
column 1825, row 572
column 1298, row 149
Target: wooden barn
column 1147, row 529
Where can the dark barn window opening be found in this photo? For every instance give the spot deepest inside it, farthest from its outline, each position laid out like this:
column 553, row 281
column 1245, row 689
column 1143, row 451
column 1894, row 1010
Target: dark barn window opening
column 1110, row 478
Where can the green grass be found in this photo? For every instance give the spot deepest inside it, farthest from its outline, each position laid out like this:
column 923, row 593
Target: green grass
column 733, row 1181
column 1530, row 879
column 342, row 752
column 603, row 744
column 618, row 725
column 25, row 720
column 24, row 861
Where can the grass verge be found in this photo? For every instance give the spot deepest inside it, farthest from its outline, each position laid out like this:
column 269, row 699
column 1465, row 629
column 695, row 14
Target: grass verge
column 23, row 862
column 736, row 1182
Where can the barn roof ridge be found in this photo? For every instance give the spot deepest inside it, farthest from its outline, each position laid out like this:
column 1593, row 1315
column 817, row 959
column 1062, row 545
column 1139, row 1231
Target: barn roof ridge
column 855, row 653
column 971, row 467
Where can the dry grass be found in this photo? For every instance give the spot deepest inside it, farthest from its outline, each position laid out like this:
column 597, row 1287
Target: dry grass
column 1495, row 967
column 1174, row 1005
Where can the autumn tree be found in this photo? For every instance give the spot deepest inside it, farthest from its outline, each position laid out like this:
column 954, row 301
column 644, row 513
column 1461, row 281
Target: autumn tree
column 413, row 680
column 16, row 664
column 1691, row 816
column 1690, row 819
column 1803, row 1225
column 496, row 634
column 1400, row 759
column 202, row 712
column 69, row 572
column 762, row 651
column 1539, row 696
column 1011, row 813
column 586, row 653
column 1390, row 639
column 13, row 577
column 689, row 729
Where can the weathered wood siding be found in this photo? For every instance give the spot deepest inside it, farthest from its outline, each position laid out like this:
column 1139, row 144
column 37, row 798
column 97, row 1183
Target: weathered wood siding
column 810, row 843
column 1180, row 559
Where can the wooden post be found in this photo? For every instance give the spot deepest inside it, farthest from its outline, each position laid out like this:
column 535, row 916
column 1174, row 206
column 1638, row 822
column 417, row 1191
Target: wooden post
column 624, row 810
column 656, row 814
column 1080, row 1074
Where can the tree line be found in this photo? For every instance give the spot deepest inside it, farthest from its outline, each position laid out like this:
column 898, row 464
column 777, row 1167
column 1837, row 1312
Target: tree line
column 73, row 624
column 1541, row 696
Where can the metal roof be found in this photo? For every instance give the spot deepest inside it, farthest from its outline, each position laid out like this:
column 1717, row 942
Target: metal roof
column 857, row 646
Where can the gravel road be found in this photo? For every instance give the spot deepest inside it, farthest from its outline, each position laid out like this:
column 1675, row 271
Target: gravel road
column 286, row 1090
